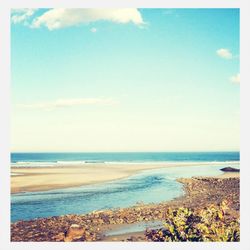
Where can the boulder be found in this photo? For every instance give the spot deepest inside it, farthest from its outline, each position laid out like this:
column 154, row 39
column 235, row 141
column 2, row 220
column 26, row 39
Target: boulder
column 229, row 169
column 74, row 232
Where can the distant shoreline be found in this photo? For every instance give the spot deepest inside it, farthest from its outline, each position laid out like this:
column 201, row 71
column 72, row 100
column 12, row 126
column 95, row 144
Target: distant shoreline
column 32, row 179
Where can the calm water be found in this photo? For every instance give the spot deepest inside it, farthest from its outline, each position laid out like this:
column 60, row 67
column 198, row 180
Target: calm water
column 135, row 227
column 147, row 186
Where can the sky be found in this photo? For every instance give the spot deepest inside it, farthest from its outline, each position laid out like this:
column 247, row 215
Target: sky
column 113, row 80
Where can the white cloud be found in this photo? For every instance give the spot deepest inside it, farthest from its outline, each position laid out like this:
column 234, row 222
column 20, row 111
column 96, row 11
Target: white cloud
column 60, row 18
column 93, row 30
column 61, row 103
column 21, row 15
column 235, row 78
column 224, row 53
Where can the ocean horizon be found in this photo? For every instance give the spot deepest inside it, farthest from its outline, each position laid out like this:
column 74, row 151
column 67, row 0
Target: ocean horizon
column 51, row 158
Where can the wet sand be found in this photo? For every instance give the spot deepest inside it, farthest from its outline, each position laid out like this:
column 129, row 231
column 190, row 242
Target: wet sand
column 47, row 178
column 230, row 175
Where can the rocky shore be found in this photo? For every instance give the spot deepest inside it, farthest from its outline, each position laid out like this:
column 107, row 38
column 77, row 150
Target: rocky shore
column 199, row 193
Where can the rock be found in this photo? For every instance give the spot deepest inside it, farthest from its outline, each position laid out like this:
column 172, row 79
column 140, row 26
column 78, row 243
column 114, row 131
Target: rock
column 74, row 232
column 132, row 238
column 229, row 169
column 59, row 237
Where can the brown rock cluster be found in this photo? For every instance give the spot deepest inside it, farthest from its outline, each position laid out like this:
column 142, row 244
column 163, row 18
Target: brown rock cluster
column 199, row 192
column 202, row 191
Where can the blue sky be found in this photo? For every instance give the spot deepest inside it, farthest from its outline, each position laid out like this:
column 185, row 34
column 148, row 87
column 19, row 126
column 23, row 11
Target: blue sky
column 125, row 80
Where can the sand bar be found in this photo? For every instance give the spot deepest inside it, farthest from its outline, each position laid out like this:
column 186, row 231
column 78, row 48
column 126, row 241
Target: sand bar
column 47, row 178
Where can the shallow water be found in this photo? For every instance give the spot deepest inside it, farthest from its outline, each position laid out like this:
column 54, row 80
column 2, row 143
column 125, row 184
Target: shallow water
column 133, row 228
column 147, row 186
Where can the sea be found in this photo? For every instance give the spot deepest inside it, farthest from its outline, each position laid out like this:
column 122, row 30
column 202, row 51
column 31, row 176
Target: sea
column 149, row 186
column 51, row 159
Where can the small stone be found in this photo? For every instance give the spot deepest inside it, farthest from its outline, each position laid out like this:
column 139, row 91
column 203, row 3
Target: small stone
column 74, row 232
column 59, row 237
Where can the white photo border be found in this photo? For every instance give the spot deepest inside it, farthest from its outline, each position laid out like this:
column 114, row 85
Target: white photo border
column 5, row 107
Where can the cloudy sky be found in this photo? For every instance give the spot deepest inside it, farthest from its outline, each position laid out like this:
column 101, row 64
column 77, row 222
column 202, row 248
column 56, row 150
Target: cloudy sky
column 125, row 79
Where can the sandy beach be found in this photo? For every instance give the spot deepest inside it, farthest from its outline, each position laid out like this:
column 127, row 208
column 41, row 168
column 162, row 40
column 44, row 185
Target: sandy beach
column 47, row 178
